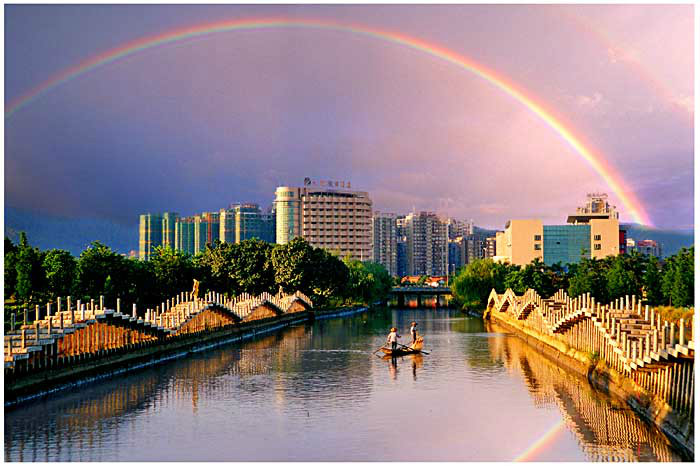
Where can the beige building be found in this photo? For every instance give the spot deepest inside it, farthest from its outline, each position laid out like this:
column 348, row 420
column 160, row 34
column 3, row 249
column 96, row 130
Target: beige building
column 328, row 216
column 592, row 232
column 520, row 243
column 604, row 222
column 605, row 238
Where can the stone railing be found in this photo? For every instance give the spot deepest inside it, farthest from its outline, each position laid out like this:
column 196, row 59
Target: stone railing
column 79, row 331
column 658, row 355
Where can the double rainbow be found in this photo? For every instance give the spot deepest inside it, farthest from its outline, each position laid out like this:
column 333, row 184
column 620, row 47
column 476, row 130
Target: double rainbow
column 632, row 205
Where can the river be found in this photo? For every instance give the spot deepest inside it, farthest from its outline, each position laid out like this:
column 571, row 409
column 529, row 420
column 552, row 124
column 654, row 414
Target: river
column 315, row 392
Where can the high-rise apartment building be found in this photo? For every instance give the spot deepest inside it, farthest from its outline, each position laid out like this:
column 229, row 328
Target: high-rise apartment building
column 401, row 247
column 184, row 235
column 156, row 230
column 479, row 245
column 227, row 225
column 169, row 221
column 206, row 230
column 489, row 246
column 459, row 228
column 384, row 241
column 246, row 221
column 426, row 244
column 456, row 253
column 251, row 223
column 150, row 234
column 331, row 217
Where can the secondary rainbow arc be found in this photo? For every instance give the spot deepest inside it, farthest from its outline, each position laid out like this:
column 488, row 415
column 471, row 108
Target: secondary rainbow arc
column 633, row 207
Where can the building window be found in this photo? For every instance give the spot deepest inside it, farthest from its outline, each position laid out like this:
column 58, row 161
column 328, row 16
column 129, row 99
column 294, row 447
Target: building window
column 538, row 237
column 538, row 247
column 596, row 238
column 597, row 247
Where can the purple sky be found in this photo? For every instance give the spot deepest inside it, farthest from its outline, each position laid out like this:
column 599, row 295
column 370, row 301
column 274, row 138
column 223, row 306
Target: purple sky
column 199, row 124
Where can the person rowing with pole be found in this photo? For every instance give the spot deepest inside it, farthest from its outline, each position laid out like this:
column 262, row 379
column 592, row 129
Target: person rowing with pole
column 392, row 338
column 414, row 332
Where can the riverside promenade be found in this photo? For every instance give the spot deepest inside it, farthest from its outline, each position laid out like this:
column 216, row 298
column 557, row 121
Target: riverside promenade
column 78, row 341
column 623, row 349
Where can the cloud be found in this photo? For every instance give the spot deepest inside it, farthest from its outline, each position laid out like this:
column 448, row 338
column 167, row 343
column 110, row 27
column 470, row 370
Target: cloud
column 686, row 102
column 589, row 102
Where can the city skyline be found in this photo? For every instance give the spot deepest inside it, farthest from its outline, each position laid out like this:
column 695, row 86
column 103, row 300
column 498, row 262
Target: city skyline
column 199, row 122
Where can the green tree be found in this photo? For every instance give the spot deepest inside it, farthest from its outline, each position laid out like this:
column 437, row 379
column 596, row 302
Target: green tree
column 535, row 275
column 212, row 268
column 559, row 277
column 173, row 271
column 29, row 273
column 589, row 276
column 678, row 278
column 515, row 280
column 652, row 281
column 10, row 268
column 294, row 266
column 59, row 269
column 329, row 282
column 382, row 281
column 369, row 282
column 251, row 269
column 96, row 263
column 143, row 288
column 471, row 288
column 621, row 280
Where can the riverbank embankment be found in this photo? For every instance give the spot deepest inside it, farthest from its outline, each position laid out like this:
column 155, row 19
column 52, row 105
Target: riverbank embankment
column 677, row 428
column 88, row 369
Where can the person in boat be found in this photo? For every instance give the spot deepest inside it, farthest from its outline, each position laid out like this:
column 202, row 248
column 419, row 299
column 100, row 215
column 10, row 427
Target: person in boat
column 414, row 332
column 392, row 338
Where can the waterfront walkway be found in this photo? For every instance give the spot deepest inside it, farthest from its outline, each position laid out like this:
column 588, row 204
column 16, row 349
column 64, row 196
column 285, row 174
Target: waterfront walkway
column 79, row 332
column 658, row 356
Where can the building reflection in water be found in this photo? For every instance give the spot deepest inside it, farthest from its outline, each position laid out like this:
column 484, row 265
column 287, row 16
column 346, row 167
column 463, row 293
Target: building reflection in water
column 605, row 429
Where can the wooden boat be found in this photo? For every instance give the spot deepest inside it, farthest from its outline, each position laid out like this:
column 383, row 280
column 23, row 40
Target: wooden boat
column 414, row 348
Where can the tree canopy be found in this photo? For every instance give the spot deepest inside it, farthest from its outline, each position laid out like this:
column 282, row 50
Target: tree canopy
column 251, row 266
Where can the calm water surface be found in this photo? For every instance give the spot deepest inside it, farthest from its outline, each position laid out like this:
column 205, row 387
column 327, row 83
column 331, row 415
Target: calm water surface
column 315, row 392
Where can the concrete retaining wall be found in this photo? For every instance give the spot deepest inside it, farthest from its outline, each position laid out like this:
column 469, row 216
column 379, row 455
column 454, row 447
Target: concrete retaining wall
column 80, row 371
column 677, row 429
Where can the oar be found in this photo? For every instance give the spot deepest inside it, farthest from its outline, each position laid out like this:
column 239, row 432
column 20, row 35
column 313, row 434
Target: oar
column 413, row 349
column 375, row 351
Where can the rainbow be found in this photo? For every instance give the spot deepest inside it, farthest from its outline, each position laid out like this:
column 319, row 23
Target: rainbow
column 540, row 443
column 597, row 162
